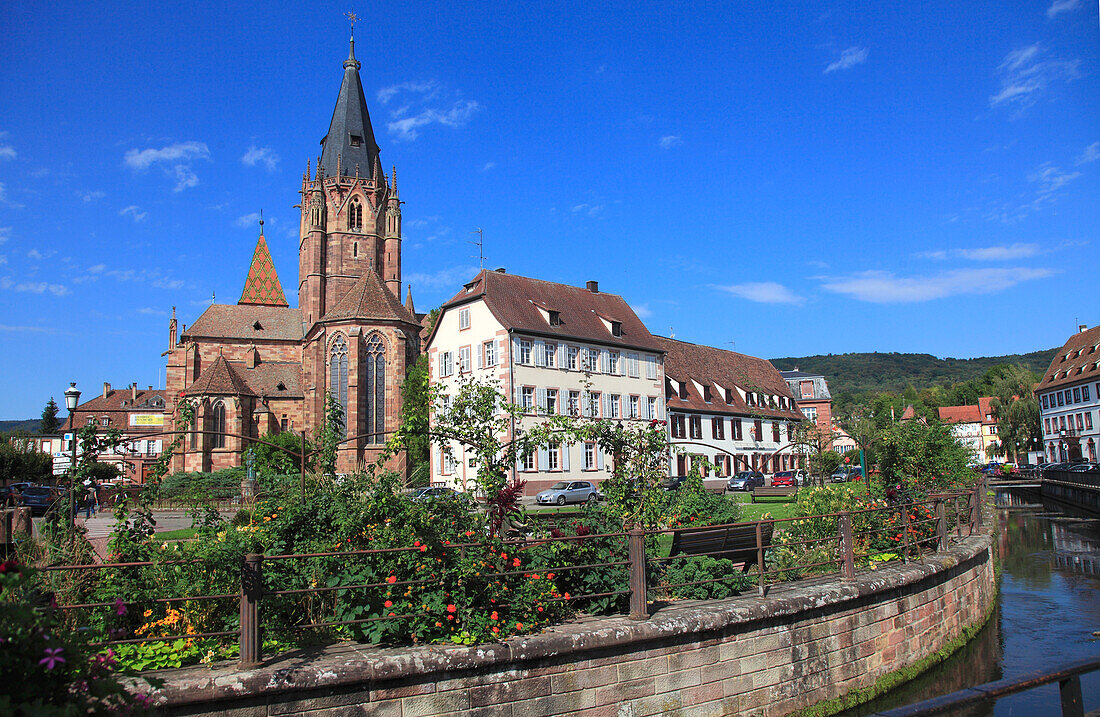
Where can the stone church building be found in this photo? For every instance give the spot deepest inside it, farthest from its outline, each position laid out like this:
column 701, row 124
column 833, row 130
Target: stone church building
column 259, row 367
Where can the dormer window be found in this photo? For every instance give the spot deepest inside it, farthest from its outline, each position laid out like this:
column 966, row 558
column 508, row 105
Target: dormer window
column 616, row 328
column 280, row 386
column 555, row 318
column 729, row 395
column 257, row 326
column 683, row 389
column 706, row 393
column 356, row 140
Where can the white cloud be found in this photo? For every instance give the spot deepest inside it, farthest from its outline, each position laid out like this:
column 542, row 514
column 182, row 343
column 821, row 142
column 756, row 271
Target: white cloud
column 456, row 116
column 488, row 166
column 33, row 287
column 1091, row 154
column 174, row 158
column 4, row 198
column 764, row 292
column 91, row 196
column 848, row 59
column 97, row 269
column 134, row 211
column 1050, row 178
column 881, row 287
column 1000, row 253
column 591, row 210
column 251, row 219
column 1025, row 74
column 149, row 311
column 428, row 90
column 450, row 277
column 5, row 234
column 422, row 104
column 260, row 155
column 643, row 311
column 40, row 255
column 670, row 141
column 28, row 329
column 1060, row 6
column 7, row 152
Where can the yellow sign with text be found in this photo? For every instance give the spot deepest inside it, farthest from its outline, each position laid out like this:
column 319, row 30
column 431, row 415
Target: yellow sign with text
column 146, row 419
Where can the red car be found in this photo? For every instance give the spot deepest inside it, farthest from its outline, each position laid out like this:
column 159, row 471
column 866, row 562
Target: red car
column 783, row 479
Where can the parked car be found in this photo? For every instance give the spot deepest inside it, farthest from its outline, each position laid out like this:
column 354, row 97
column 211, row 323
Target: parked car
column 745, row 480
column 784, row 479
column 40, row 498
column 1084, row 468
column 440, row 493
column 562, row 492
column 843, row 474
column 674, row 482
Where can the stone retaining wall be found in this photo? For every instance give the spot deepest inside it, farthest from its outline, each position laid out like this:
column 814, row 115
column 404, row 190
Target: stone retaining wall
column 805, row 642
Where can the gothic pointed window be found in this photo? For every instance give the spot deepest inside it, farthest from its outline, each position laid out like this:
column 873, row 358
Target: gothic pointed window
column 217, row 425
column 338, row 374
column 374, row 389
column 355, row 215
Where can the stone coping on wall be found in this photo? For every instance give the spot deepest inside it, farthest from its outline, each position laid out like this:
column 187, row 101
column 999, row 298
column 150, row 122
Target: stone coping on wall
column 348, row 664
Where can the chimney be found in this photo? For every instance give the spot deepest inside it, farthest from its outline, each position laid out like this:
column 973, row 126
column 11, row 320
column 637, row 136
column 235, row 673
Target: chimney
column 593, row 286
column 106, row 389
column 1082, row 327
column 133, row 391
column 500, row 270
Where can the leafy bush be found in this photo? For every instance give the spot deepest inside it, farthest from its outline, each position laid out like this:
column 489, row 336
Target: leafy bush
column 218, row 485
column 716, row 578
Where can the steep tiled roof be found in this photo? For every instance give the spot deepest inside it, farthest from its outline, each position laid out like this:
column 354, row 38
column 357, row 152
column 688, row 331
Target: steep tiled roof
column 369, row 299
column 908, row 414
column 1076, row 362
column 960, row 414
column 121, row 399
column 687, row 363
column 218, row 379
column 262, row 285
column 247, row 322
column 985, row 408
column 516, row 300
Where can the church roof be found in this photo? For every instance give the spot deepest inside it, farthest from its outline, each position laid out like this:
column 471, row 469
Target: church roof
column 350, row 134
column 219, row 378
column 262, row 285
column 248, row 322
column 369, row 299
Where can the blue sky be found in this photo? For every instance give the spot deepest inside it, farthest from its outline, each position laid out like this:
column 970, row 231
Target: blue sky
column 779, row 178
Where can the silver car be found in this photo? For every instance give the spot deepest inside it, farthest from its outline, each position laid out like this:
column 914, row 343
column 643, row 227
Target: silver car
column 562, row 492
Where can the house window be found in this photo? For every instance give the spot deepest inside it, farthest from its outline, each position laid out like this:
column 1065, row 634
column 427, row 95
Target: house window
column 524, row 352
column 555, row 318
column 574, row 403
column 1080, row 422
column 105, row 421
column 806, row 388
column 446, row 364
column 464, row 359
column 737, row 429
column 678, row 426
column 682, row 389
column 338, row 373
column 590, row 456
column 217, row 421
column 1046, row 426
column 613, row 363
column 552, row 401
column 283, row 424
column 448, row 464
column 706, row 393
column 651, row 404
column 530, row 463
column 1045, row 402
column 490, row 353
column 696, row 426
column 594, row 404
column 553, row 457
column 356, row 140
column 775, row 431
column 571, row 357
column 651, row 367
column 616, row 328
column 717, row 428
column 463, row 319
column 1084, row 393
column 373, row 389
column 758, row 430
column 634, row 406
column 551, row 355
column 1088, row 420
column 681, row 465
column 527, row 398
column 810, row 412
column 1077, row 395
column 591, row 359
column 615, row 400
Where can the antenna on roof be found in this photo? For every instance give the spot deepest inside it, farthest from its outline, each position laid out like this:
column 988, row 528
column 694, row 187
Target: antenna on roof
column 480, row 244
column 733, row 344
column 671, row 333
column 213, row 298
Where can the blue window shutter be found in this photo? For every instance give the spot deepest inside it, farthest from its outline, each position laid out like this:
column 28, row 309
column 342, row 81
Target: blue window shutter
column 542, row 399
column 544, row 461
column 599, row 459
column 539, row 349
column 562, row 357
column 565, row 456
column 515, row 350
column 644, row 409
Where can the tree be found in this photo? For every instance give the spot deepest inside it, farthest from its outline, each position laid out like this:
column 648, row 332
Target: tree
column 329, row 434
column 50, row 424
column 20, row 461
column 1016, row 410
column 285, row 460
column 816, row 442
column 927, row 454
column 415, row 405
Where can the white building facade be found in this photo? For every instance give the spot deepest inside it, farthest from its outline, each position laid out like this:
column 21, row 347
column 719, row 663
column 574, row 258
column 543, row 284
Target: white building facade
column 1069, row 400
column 553, row 349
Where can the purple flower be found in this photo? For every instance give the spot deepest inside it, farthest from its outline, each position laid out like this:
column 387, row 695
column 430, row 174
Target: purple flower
column 52, row 658
column 120, row 607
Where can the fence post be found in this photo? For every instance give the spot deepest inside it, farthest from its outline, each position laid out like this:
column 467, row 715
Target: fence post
column 636, row 554
column 252, row 585
column 1070, row 692
column 941, row 524
column 760, row 557
column 905, row 532
column 847, row 549
column 975, row 508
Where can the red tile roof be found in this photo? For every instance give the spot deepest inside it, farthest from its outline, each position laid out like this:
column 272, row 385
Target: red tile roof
column 985, row 407
column 262, row 284
column 223, row 378
column 219, row 379
column 247, row 322
column 369, row 299
column 515, row 301
column 1075, row 362
column 960, row 414
column 686, row 362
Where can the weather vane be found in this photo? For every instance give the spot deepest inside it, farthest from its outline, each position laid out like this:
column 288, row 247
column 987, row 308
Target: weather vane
column 352, row 17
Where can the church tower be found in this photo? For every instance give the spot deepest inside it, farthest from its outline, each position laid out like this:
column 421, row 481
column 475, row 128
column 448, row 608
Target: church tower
column 351, row 216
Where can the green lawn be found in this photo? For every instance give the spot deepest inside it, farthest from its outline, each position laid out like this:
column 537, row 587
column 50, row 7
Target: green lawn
column 181, row 534
column 775, row 507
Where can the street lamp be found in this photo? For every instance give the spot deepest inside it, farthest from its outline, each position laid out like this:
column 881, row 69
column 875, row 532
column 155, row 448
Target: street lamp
column 72, row 398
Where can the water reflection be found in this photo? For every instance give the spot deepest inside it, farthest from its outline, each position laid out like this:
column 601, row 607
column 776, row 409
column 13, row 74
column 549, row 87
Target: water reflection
column 1048, row 609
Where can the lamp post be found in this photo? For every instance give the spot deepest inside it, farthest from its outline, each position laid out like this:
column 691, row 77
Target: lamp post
column 72, row 398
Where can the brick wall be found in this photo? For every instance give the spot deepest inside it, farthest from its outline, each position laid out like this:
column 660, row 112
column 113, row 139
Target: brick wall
column 804, row 643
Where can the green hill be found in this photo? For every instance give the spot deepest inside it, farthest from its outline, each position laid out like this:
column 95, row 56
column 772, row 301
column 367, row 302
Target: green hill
column 28, row 426
column 859, row 373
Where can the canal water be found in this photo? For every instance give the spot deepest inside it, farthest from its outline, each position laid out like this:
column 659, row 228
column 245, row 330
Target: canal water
column 1047, row 612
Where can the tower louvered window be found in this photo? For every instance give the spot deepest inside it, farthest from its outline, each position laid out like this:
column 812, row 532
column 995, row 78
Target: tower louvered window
column 355, row 216
column 217, row 425
column 338, row 374
column 374, row 389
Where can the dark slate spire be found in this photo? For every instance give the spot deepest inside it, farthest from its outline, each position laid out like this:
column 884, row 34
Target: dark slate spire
column 350, row 135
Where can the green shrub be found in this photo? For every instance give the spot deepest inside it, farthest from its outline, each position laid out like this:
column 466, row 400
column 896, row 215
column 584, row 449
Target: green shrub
column 716, row 578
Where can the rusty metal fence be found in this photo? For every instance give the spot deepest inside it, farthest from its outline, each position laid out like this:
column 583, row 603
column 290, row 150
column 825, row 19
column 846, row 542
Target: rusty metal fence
column 837, row 543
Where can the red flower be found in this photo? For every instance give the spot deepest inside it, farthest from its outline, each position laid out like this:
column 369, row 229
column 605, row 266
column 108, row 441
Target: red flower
column 519, row 625
column 389, row 603
column 423, row 548
column 391, row 579
column 496, row 629
column 494, row 616
column 416, row 544
column 451, row 608
column 9, row 566
column 515, row 563
column 450, row 617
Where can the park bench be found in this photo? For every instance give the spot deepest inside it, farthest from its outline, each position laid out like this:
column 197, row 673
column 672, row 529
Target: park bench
column 772, row 492
column 736, row 543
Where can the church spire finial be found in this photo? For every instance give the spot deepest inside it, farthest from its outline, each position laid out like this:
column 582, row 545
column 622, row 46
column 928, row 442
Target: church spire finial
column 351, row 61
column 261, row 222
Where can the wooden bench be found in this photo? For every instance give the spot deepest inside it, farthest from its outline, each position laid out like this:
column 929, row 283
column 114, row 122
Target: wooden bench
column 731, row 542
column 771, row 492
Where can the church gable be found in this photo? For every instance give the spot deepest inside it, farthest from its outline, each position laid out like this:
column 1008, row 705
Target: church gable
column 262, row 286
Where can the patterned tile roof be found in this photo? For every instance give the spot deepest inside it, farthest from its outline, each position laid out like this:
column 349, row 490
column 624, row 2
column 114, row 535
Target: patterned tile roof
column 262, row 285
column 961, row 414
column 247, row 322
column 687, row 363
column 1076, row 362
column 369, row 299
column 523, row 304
